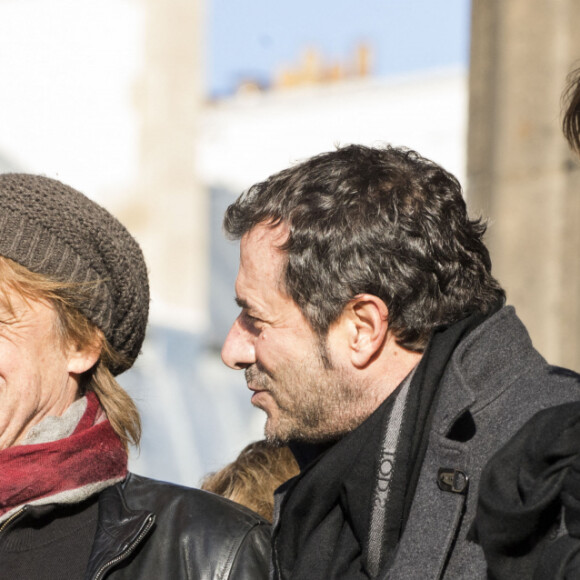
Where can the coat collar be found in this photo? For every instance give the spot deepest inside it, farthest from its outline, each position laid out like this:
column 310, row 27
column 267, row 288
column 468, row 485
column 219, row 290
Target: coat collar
column 120, row 530
column 484, row 365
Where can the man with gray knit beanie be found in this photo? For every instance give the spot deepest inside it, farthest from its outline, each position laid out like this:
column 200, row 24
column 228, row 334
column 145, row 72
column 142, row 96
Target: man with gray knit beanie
column 74, row 301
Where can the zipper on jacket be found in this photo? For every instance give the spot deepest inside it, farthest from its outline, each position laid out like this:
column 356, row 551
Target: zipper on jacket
column 127, row 551
column 12, row 518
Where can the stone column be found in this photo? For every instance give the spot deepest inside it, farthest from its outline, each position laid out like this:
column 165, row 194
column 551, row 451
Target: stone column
column 520, row 172
column 171, row 211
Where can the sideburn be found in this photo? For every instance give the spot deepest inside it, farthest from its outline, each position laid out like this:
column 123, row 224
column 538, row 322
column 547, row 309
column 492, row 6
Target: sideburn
column 323, row 353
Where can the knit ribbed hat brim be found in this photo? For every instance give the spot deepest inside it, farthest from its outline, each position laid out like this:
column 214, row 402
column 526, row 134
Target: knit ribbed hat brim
column 52, row 229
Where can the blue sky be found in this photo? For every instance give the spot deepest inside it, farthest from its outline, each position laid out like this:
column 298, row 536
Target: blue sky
column 252, row 38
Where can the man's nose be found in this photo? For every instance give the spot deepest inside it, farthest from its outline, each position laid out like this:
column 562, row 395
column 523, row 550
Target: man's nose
column 238, row 351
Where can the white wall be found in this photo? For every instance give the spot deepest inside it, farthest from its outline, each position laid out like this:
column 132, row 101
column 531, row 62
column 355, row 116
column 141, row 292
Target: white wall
column 67, row 74
column 246, row 138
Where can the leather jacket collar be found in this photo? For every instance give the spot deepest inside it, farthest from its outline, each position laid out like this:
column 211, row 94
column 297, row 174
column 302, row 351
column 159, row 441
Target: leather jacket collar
column 120, row 530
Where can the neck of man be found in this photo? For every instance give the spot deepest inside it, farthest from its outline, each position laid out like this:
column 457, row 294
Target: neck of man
column 387, row 371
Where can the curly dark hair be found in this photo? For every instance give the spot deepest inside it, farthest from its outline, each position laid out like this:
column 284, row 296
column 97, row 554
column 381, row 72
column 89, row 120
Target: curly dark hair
column 571, row 103
column 383, row 221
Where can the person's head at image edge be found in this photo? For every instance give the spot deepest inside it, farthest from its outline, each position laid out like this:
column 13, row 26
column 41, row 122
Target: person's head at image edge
column 527, row 510
column 74, row 302
column 571, row 108
column 74, row 284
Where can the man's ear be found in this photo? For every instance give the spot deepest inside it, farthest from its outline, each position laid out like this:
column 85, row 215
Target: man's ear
column 82, row 358
column 366, row 317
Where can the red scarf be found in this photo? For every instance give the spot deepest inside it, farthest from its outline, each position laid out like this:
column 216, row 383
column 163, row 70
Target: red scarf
column 87, row 461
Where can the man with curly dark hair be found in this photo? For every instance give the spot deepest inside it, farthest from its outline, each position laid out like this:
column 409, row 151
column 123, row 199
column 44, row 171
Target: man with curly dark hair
column 375, row 338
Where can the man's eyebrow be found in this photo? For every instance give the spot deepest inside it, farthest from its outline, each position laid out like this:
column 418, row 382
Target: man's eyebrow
column 245, row 305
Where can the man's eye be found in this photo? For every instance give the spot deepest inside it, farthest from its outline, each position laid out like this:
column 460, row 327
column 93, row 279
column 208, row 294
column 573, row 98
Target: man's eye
column 250, row 321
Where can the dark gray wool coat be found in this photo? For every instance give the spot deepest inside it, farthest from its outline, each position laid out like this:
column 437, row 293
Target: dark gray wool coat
column 497, row 377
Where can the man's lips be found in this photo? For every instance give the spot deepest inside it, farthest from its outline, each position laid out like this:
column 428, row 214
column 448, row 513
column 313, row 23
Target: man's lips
column 256, row 389
column 258, row 384
column 257, row 394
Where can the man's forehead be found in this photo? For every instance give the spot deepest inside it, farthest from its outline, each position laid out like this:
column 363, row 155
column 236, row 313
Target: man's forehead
column 261, row 259
column 260, row 249
column 267, row 235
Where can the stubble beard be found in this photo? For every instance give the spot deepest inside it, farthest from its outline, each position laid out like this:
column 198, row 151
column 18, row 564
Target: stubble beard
column 313, row 403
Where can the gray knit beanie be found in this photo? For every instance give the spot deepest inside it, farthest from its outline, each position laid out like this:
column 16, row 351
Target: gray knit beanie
column 54, row 230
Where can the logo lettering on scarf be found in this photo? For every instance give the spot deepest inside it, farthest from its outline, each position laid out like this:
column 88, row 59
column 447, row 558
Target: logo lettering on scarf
column 384, row 476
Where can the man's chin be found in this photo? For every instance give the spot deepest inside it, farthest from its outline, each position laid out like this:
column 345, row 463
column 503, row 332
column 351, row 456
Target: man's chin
column 273, row 434
column 277, row 431
column 280, row 433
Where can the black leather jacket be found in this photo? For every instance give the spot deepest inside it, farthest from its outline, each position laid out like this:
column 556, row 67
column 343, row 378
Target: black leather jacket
column 149, row 530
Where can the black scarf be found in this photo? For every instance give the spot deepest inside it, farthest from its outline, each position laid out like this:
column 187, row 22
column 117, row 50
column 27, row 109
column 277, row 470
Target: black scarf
column 523, row 491
column 325, row 517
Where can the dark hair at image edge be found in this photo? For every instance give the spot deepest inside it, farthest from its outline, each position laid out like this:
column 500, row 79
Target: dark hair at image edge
column 571, row 106
column 383, row 221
